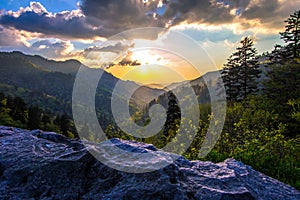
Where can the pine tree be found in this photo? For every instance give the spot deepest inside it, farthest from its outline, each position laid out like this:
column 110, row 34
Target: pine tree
column 291, row 35
column 65, row 124
column 173, row 113
column 46, row 119
column 283, row 86
column 34, row 117
column 241, row 71
column 19, row 111
column 230, row 79
column 277, row 55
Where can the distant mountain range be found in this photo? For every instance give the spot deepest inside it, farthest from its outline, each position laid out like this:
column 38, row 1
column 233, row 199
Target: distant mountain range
column 49, row 83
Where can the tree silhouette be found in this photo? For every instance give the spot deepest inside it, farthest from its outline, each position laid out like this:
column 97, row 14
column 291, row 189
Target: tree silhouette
column 241, row 71
column 173, row 113
column 291, row 35
column 34, row 117
column 65, row 124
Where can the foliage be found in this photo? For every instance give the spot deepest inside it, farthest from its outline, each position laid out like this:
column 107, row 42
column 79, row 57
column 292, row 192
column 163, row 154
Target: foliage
column 283, row 90
column 295, row 104
column 254, row 135
column 241, row 71
column 291, row 35
column 15, row 112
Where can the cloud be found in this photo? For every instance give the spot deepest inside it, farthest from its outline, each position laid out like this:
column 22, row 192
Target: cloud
column 247, row 14
column 52, row 49
column 200, row 11
column 109, row 55
column 115, row 48
column 13, row 37
column 104, row 18
column 95, row 21
column 36, row 18
column 127, row 60
column 37, row 7
column 8, row 37
column 116, row 16
column 49, row 48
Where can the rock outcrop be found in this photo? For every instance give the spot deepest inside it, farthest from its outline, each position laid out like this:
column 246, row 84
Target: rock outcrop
column 42, row 165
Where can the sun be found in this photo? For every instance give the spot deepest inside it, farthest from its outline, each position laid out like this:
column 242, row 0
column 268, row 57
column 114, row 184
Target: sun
column 154, row 67
column 147, row 57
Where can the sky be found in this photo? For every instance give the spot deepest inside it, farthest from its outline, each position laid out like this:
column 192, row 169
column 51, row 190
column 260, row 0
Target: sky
column 89, row 31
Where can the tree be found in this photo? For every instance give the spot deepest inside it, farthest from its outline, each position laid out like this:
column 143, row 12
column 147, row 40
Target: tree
column 230, row 78
column 65, row 124
column 173, row 114
column 46, row 119
column 241, row 71
column 34, row 117
column 277, row 56
column 19, row 111
column 282, row 87
column 291, row 35
column 5, row 118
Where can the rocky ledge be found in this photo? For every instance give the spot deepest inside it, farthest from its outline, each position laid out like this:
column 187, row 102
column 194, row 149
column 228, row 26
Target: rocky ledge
column 43, row 165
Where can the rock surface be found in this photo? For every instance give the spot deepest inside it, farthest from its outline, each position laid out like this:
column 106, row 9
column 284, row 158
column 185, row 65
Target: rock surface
column 41, row 165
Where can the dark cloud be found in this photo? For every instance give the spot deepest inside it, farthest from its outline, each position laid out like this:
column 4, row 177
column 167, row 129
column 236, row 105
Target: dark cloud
column 267, row 11
column 198, row 11
column 127, row 60
column 116, row 16
column 108, row 17
column 264, row 9
column 97, row 18
column 115, row 48
column 36, row 19
column 270, row 13
column 237, row 3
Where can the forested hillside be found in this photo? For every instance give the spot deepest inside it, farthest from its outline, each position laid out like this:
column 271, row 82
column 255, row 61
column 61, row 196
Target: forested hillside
column 49, row 84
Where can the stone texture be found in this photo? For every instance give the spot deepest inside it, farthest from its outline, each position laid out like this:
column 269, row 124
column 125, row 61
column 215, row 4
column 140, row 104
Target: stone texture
column 42, row 165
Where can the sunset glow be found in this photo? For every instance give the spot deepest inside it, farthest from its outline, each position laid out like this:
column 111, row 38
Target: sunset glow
column 72, row 29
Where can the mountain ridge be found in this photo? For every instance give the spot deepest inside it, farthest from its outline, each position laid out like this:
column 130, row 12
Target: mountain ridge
column 56, row 78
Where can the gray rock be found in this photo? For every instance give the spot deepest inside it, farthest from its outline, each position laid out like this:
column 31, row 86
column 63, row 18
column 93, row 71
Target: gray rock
column 42, row 165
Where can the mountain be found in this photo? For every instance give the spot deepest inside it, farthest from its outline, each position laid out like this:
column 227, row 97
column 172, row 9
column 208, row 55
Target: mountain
column 66, row 67
column 207, row 85
column 50, row 83
column 43, row 165
column 201, row 86
column 144, row 94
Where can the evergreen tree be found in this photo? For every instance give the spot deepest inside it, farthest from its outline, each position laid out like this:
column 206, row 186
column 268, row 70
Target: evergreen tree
column 277, row 55
column 173, row 113
column 19, row 111
column 241, row 71
column 230, row 78
column 34, row 117
column 291, row 35
column 46, row 119
column 283, row 86
column 65, row 124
